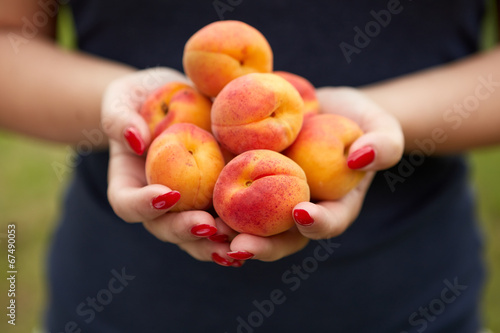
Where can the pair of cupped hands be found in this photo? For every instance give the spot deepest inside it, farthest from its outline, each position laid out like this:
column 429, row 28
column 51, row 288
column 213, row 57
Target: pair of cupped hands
column 197, row 232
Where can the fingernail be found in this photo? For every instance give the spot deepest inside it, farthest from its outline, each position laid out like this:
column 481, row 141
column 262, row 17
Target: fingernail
column 203, row 230
column 221, row 238
column 240, row 255
column 134, row 140
column 302, row 217
column 167, row 200
column 361, row 158
column 221, row 261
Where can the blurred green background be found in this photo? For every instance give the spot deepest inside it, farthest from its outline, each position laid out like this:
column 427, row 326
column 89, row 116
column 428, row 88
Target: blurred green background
column 33, row 176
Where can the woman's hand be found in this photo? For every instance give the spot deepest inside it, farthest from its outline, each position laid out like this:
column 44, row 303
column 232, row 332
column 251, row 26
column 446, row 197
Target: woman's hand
column 379, row 148
column 130, row 196
column 197, row 232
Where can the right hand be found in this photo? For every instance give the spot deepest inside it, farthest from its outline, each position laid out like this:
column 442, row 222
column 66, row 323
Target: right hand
column 330, row 218
column 131, row 198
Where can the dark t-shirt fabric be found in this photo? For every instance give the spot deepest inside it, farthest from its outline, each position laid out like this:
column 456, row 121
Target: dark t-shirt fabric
column 411, row 262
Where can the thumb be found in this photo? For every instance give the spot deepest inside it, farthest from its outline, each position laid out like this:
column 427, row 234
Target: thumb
column 328, row 219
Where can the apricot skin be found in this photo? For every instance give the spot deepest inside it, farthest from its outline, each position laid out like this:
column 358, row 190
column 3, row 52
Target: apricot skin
column 222, row 51
column 257, row 111
column 321, row 151
column 257, row 190
column 187, row 159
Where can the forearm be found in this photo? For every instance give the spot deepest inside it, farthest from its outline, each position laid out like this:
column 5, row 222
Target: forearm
column 456, row 106
column 51, row 93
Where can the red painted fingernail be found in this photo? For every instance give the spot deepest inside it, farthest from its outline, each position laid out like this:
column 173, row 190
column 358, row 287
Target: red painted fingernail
column 167, row 200
column 302, row 217
column 203, row 230
column 219, row 238
column 240, row 255
column 221, row 261
column 361, row 158
column 134, row 140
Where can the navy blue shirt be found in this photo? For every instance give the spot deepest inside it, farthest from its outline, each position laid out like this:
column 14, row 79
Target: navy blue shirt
column 411, row 262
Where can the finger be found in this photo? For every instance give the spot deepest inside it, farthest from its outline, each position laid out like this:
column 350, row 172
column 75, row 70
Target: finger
column 205, row 250
column 221, row 258
column 122, row 101
column 382, row 144
column 202, row 249
column 181, row 227
column 224, row 233
column 272, row 248
column 331, row 218
column 380, row 147
column 128, row 193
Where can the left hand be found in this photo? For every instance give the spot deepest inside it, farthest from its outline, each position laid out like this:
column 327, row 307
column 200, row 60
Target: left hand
column 129, row 194
column 382, row 144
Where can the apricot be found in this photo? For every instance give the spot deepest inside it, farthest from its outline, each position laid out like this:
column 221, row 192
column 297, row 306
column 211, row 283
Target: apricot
column 187, row 159
column 321, row 150
column 305, row 89
column 257, row 111
column 176, row 102
column 222, row 51
column 257, row 190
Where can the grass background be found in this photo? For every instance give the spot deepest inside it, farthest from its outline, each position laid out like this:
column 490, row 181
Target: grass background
column 31, row 191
